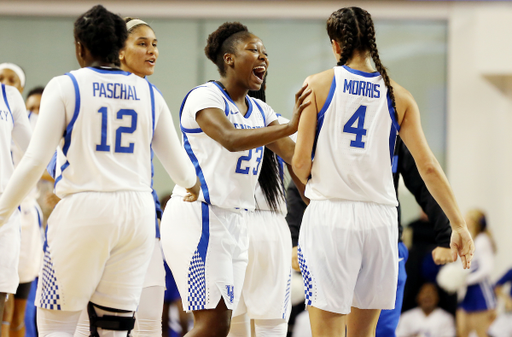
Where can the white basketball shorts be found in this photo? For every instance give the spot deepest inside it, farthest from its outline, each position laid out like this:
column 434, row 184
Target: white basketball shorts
column 206, row 249
column 98, row 247
column 155, row 277
column 31, row 253
column 348, row 255
column 10, row 237
column 266, row 289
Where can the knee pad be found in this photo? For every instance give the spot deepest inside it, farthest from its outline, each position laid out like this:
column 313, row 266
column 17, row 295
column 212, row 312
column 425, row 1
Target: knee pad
column 108, row 322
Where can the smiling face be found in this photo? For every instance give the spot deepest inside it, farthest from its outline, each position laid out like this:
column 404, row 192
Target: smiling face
column 249, row 63
column 140, row 52
column 9, row 77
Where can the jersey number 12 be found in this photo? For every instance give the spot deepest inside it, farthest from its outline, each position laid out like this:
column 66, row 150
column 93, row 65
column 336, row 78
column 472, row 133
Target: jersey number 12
column 119, row 132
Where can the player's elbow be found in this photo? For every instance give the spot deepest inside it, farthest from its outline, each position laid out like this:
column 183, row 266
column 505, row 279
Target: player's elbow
column 301, row 166
column 229, row 141
column 232, row 145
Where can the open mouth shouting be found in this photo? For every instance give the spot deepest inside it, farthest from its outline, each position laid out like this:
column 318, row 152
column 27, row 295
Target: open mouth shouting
column 151, row 61
column 259, row 72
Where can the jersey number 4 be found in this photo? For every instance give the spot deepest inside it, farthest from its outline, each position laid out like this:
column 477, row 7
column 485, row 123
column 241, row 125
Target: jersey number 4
column 119, row 132
column 246, row 170
column 358, row 130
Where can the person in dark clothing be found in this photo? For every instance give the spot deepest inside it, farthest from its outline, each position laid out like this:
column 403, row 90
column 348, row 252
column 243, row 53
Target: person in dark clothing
column 403, row 164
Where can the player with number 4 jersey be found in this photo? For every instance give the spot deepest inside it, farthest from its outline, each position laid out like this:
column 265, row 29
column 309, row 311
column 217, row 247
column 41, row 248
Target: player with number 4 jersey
column 344, row 153
column 358, row 125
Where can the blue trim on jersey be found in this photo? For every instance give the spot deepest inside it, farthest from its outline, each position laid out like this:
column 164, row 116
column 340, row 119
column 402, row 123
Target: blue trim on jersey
column 262, row 113
column 280, row 161
column 45, row 244
column 110, row 71
column 51, row 168
column 158, row 209
column 152, row 94
column 7, row 102
column 320, row 115
column 184, row 129
column 392, row 141
column 39, row 220
column 392, row 113
column 361, row 73
column 69, row 128
column 202, row 247
column 199, row 171
column 394, row 164
column 63, row 167
column 395, row 127
column 247, row 99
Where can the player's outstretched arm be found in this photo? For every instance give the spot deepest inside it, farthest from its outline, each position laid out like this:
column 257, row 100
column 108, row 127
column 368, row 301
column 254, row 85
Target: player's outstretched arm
column 302, row 162
column 432, row 174
column 47, row 134
column 214, row 123
column 168, row 149
column 22, row 132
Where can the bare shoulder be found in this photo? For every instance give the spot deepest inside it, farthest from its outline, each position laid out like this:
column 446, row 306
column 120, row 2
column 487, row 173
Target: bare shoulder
column 401, row 94
column 320, row 80
column 403, row 99
column 320, row 85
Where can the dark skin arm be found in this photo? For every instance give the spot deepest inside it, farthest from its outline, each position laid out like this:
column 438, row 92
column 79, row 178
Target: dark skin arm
column 217, row 126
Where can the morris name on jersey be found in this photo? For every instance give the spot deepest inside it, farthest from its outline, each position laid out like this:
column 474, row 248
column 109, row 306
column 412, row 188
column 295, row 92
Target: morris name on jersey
column 115, row 90
column 362, row 88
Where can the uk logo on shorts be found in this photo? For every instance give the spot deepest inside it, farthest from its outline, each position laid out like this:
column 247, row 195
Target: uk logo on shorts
column 231, row 293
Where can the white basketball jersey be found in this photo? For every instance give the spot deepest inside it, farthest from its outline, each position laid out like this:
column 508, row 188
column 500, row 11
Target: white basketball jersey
column 12, row 113
column 355, row 140
column 107, row 142
column 17, row 154
column 261, row 201
column 228, row 179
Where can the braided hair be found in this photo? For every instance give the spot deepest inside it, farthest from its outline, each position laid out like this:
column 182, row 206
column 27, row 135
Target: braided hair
column 270, row 175
column 352, row 28
column 223, row 41
column 102, row 32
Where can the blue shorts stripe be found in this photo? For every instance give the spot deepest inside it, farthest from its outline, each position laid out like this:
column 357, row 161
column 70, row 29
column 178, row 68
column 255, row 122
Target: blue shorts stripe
column 196, row 273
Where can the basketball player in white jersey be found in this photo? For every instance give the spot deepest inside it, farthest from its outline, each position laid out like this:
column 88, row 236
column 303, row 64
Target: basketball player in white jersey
column 347, row 245
column 100, row 236
column 31, row 246
column 14, row 125
column 139, row 56
column 265, row 299
column 224, row 131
